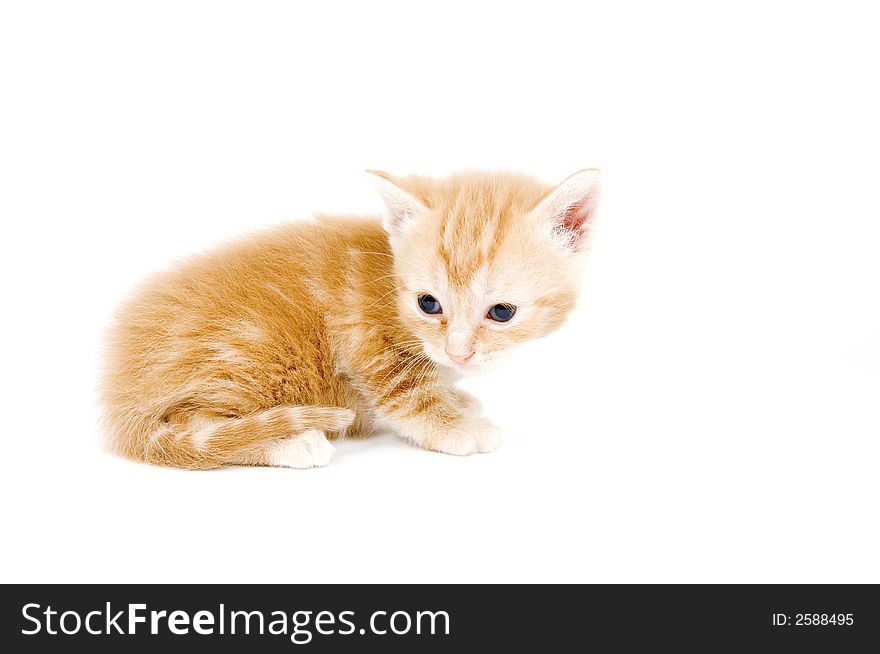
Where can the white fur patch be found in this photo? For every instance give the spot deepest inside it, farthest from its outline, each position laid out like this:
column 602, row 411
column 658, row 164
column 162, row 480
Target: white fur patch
column 200, row 436
column 310, row 449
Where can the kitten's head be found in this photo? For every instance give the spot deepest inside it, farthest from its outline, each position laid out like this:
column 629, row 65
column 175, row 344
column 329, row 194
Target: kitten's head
column 485, row 261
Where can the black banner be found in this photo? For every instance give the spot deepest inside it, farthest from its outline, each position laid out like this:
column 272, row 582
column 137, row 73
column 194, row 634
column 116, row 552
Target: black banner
column 439, row 618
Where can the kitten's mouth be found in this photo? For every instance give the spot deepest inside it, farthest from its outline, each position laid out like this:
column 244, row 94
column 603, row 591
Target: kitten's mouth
column 471, row 365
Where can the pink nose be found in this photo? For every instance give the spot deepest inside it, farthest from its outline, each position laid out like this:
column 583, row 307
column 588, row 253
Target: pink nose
column 460, row 358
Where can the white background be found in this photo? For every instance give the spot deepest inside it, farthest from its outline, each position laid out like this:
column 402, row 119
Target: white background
column 710, row 413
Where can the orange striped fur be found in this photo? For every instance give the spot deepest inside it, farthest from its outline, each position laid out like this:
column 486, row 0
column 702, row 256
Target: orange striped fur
column 256, row 353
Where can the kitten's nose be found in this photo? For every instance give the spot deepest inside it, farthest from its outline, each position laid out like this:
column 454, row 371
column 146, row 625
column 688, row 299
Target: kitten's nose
column 460, row 358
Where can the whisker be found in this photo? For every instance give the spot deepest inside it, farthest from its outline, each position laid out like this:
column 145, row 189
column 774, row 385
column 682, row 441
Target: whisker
column 413, row 341
column 388, row 384
column 411, row 363
column 382, row 297
column 426, row 374
column 404, row 364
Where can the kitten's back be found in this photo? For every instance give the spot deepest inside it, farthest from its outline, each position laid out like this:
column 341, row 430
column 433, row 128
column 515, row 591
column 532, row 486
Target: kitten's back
column 215, row 340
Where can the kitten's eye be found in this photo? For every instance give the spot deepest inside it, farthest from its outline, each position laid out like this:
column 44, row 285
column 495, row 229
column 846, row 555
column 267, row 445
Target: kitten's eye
column 502, row 312
column 429, row 304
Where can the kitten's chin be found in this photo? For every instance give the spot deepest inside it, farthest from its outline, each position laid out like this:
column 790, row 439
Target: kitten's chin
column 462, row 369
column 482, row 366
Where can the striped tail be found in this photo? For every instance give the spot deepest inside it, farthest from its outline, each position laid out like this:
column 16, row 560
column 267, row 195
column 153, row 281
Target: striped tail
column 201, row 442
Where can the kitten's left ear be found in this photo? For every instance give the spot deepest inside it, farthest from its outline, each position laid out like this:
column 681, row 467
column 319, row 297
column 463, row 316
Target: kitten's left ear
column 570, row 208
column 400, row 205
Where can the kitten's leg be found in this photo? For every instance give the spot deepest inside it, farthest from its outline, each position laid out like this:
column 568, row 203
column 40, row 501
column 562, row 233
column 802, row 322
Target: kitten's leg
column 310, row 449
column 424, row 409
column 469, row 404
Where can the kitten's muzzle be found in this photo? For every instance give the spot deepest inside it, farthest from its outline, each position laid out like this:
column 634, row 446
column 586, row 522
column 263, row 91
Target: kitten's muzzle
column 460, row 358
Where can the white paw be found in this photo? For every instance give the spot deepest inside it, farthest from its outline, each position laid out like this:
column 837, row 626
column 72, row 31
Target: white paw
column 471, row 436
column 310, row 449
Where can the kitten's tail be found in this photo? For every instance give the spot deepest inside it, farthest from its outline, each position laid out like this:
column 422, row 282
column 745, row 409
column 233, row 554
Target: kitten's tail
column 210, row 443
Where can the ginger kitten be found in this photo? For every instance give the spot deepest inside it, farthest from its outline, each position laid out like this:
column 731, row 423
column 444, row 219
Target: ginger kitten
column 258, row 352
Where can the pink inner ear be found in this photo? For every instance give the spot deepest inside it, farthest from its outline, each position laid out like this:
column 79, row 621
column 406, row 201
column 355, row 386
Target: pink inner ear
column 575, row 217
column 574, row 223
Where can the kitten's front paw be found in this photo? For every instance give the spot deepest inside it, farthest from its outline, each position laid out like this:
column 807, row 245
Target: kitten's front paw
column 471, row 436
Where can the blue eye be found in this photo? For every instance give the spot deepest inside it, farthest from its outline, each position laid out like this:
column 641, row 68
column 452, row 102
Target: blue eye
column 502, row 312
column 429, row 304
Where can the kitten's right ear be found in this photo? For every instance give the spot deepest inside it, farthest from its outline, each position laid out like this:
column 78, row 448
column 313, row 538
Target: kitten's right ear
column 400, row 205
